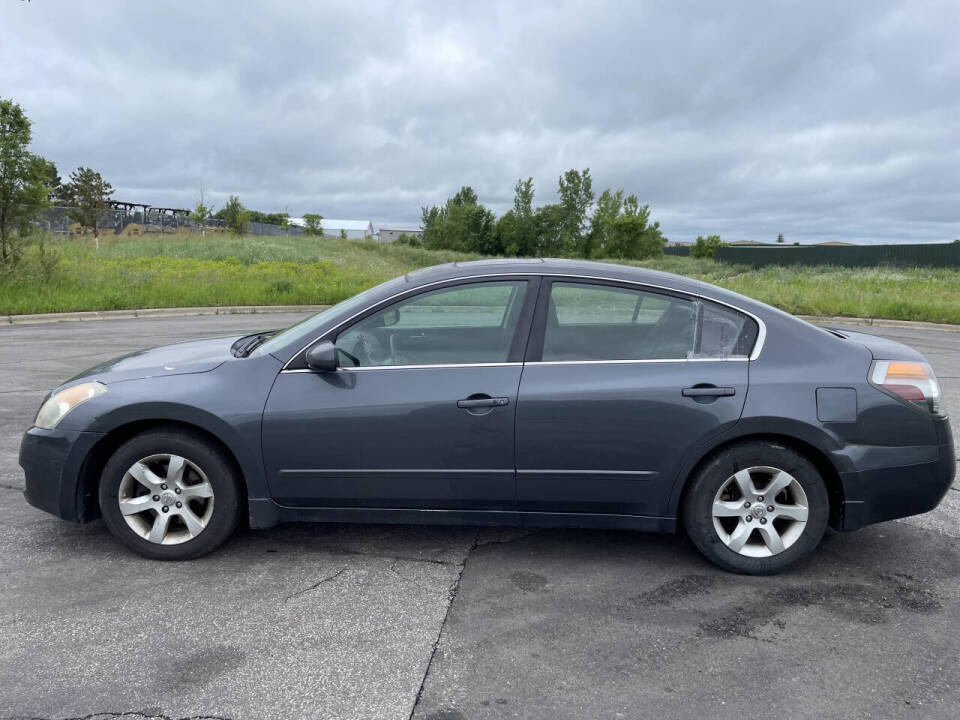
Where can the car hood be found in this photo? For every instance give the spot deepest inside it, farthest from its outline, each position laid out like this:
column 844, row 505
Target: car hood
column 882, row 348
column 195, row 356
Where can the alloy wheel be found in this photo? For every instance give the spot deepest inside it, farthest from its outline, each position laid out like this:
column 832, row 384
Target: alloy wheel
column 166, row 499
column 760, row 511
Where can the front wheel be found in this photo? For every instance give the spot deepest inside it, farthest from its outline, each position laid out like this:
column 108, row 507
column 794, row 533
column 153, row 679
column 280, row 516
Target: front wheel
column 757, row 508
column 170, row 495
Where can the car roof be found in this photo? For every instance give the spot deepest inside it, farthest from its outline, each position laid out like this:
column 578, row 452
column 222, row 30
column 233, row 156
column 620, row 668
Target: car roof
column 550, row 266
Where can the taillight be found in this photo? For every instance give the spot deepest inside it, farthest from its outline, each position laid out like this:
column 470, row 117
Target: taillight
column 911, row 381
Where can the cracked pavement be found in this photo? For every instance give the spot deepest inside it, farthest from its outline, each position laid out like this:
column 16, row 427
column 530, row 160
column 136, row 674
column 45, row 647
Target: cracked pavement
column 447, row 623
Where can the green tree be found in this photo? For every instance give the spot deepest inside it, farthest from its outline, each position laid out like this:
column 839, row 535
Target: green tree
column 312, row 224
column 633, row 236
column 26, row 180
column 235, row 215
column 576, row 195
column 51, row 179
column 201, row 213
column 274, row 218
column 461, row 224
column 563, row 229
column 87, row 193
column 430, row 224
column 551, row 241
column 516, row 230
column 706, row 247
column 621, row 228
column 600, row 238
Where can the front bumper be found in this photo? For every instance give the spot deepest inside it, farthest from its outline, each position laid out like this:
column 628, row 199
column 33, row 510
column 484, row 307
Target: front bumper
column 52, row 461
column 887, row 493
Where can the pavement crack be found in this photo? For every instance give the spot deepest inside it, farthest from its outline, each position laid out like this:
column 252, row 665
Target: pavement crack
column 403, row 558
column 328, row 578
column 5, row 486
column 451, row 596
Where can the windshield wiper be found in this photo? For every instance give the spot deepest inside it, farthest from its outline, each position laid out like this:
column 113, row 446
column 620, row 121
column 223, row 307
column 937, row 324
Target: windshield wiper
column 246, row 345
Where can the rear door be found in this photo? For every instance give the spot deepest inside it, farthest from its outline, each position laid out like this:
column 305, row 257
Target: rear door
column 621, row 381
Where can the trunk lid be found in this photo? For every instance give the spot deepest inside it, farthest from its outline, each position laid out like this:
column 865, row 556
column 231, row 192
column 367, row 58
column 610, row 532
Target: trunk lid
column 882, row 348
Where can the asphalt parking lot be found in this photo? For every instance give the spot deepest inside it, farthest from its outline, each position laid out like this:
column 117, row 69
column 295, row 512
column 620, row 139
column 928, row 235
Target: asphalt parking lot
column 439, row 623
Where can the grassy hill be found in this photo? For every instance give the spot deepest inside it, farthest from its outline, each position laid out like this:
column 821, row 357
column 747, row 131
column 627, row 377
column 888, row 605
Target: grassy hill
column 173, row 271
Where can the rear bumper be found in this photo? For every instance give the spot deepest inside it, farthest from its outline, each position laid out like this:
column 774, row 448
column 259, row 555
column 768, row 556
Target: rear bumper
column 52, row 461
column 887, row 493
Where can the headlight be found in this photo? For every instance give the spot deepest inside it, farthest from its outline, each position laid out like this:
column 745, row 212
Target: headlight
column 59, row 404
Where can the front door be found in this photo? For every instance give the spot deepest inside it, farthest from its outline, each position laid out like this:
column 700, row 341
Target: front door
column 420, row 415
column 621, row 382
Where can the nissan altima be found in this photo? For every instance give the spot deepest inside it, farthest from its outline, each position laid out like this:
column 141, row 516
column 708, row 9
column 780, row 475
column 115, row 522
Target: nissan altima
column 524, row 392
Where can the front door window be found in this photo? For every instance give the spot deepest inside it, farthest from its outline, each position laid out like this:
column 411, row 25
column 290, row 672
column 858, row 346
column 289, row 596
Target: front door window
column 464, row 324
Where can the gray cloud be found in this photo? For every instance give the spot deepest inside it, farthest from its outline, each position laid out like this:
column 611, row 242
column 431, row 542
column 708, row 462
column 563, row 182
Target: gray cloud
column 822, row 120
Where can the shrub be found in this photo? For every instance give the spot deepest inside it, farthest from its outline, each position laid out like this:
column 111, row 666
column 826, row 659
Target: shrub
column 706, row 247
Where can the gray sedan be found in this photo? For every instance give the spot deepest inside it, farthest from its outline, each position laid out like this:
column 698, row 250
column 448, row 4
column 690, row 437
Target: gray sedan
column 523, row 392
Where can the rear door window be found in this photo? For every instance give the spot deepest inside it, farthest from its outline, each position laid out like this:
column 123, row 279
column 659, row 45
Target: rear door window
column 588, row 321
column 596, row 322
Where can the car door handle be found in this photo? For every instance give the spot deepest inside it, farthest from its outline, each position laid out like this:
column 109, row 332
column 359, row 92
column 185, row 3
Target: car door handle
column 481, row 402
column 700, row 391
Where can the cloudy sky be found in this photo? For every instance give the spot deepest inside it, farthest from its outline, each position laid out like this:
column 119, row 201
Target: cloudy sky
column 821, row 120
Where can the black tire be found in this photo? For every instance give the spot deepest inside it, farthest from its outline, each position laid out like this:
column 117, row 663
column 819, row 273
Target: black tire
column 219, row 471
column 697, row 510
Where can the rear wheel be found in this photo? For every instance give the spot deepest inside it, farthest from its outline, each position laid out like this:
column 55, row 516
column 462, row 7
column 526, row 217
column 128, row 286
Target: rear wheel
column 170, row 495
column 756, row 507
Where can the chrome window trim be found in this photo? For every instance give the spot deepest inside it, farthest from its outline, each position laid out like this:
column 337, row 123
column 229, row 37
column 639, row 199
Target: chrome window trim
column 368, row 368
column 757, row 347
column 636, row 362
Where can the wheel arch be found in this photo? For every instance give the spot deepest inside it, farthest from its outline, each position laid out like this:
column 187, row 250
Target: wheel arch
column 88, row 481
column 807, row 446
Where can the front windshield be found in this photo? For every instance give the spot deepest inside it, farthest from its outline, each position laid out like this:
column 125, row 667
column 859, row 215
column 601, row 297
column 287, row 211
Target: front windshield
column 314, row 322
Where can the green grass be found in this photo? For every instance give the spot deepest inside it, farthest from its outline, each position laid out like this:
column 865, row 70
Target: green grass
column 926, row 294
column 184, row 271
column 175, row 271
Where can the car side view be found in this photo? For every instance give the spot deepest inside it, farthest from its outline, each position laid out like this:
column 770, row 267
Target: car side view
column 526, row 392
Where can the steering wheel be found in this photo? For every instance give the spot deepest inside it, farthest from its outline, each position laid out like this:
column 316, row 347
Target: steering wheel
column 368, row 350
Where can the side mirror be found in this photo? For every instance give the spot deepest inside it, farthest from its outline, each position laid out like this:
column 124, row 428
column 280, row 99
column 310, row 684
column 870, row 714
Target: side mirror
column 322, row 357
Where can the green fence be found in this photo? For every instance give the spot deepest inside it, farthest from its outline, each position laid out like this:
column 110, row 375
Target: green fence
column 932, row 255
column 681, row 250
